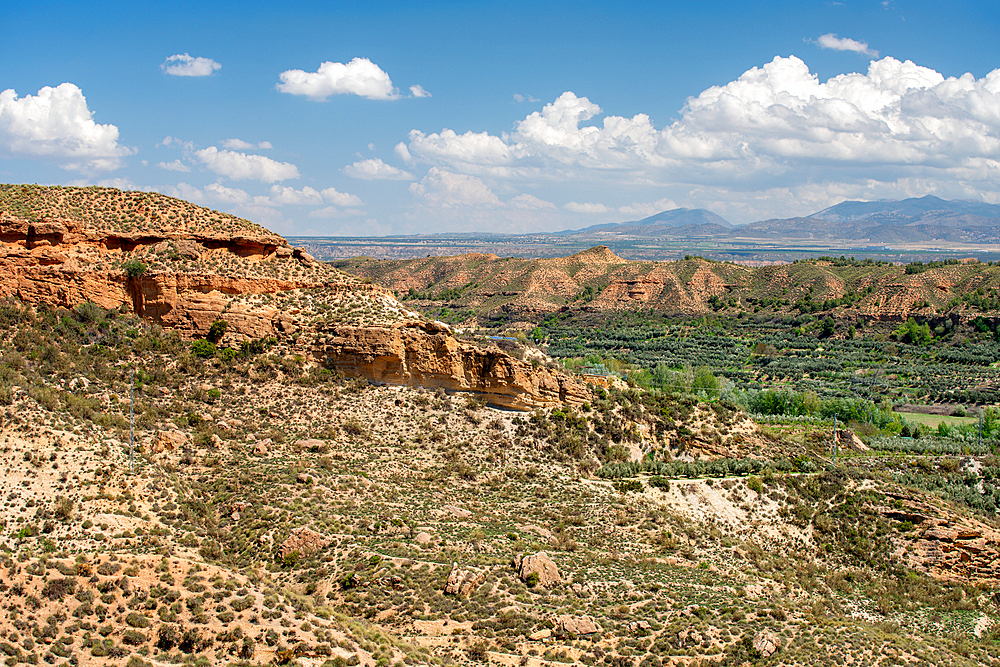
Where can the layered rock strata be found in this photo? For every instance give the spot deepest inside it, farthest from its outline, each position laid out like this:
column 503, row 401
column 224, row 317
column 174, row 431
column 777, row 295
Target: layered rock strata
column 185, row 267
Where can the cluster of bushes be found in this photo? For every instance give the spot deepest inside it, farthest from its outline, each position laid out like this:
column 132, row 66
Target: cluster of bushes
column 929, row 445
column 664, row 470
column 788, row 402
column 980, row 491
column 920, row 267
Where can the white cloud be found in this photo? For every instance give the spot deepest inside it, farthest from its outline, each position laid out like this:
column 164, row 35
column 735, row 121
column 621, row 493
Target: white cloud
column 174, row 141
column 118, row 182
column 286, row 195
column 176, row 165
column 185, row 191
column 240, row 166
column 334, row 212
column 358, row 77
column 831, row 41
column 56, row 124
column 375, row 170
column 184, row 65
column 403, row 152
column 330, row 195
column 469, row 151
column 221, row 193
column 418, row 91
column 776, row 126
column 240, row 145
column 586, row 207
column 518, row 97
column 530, row 202
column 281, row 194
column 449, row 190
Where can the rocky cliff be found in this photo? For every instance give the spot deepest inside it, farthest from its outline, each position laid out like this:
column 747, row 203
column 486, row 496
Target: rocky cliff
column 185, row 267
column 427, row 354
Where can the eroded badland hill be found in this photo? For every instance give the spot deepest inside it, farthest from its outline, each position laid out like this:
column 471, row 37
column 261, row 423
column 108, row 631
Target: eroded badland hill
column 598, row 281
column 321, row 476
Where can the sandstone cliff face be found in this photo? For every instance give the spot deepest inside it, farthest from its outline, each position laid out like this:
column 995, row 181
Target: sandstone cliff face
column 944, row 544
column 62, row 263
column 426, row 354
column 195, row 272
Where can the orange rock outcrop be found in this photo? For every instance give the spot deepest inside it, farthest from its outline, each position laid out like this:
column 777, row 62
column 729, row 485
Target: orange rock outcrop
column 427, row 354
column 191, row 273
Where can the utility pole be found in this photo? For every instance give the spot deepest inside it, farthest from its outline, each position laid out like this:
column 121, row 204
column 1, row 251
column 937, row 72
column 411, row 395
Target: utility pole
column 131, row 419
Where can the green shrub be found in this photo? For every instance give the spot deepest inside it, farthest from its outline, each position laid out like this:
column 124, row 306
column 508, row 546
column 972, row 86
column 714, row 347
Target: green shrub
column 660, row 483
column 134, row 268
column 217, row 330
column 628, row 485
column 203, row 348
column 137, row 620
column 134, row 638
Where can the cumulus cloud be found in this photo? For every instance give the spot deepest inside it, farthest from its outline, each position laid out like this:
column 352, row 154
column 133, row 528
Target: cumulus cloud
column 184, row 65
column 585, row 207
column 358, row 77
column 57, row 125
column 518, row 97
column 331, row 196
column 418, row 91
column 831, row 41
column 776, row 126
column 241, row 167
column 176, row 165
column 174, row 141
column 118, row 183
column 375, row 170
column 403, row 152
column 530, row 202
column 221, row 193
column 282, row 194
column 449, row 190
column 470, row 151
column 240, row 145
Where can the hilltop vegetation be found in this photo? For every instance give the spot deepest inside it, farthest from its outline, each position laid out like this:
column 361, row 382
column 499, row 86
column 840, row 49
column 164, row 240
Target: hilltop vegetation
column 126, row 212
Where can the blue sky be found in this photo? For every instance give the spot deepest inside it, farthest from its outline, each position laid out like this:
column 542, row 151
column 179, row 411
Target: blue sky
column 378, row 118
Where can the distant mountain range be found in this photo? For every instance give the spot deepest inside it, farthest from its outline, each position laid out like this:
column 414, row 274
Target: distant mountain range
column 655, row 225
column 907, row 210
column 920, row 219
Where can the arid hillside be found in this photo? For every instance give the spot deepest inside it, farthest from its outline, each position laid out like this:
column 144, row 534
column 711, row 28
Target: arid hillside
column 598, row 281
column 218, row 451
column 273, row 512
column 188, row 268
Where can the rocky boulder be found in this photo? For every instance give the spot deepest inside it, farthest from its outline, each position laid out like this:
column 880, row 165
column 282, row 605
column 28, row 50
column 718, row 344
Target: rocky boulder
column 168, row 441
column 538, row 569
column 575, row 625
column 765, row 642
column 303, row 541
column 463, row 581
